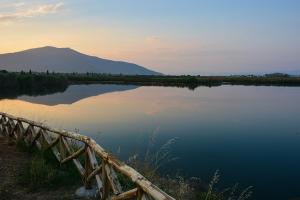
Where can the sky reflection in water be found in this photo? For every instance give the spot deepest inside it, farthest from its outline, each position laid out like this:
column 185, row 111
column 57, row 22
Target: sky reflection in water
column 252, row 134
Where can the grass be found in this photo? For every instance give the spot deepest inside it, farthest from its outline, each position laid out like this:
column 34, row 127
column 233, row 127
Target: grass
column 231, row 193
column 153, row 162
column 195, row 189
column 38, row 173
column 5, row 193
column 44, row 171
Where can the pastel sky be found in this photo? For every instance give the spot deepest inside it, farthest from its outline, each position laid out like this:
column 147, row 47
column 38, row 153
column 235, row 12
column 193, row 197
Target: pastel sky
column 170, row 36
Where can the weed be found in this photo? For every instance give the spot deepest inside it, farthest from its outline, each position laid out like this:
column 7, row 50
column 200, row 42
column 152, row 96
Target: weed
column 43, row 171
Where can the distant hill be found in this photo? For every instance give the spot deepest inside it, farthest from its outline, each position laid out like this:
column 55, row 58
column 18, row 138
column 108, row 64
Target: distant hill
column 66, row 60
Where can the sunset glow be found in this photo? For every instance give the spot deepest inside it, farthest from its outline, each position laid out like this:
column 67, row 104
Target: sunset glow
column 173, row 37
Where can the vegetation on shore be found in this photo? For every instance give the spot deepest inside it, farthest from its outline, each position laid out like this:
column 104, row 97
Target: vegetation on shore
column 43, row 171
column 153, row 161
column 16, row 84
column 13, row 84
column 30, row 174
column 191, row 82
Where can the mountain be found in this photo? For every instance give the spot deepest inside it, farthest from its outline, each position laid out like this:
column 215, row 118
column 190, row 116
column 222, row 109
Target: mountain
column 66, row 60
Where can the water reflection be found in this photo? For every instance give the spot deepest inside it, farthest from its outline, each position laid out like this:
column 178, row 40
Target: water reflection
column 75, row 93
column 249, row 133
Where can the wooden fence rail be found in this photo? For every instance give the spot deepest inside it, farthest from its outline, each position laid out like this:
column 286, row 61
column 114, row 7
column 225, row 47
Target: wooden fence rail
column 98, row 166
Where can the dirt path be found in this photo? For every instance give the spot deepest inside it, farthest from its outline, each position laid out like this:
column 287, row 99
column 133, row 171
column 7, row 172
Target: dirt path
column 11, row 162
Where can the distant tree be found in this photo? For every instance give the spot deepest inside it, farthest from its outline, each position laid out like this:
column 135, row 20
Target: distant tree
column 280, row 75
column 30, row 72
column 4, row 71
column 47, row 72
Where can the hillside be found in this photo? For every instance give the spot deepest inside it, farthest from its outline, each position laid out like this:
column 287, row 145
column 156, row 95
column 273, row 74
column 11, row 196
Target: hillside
column 66, row 60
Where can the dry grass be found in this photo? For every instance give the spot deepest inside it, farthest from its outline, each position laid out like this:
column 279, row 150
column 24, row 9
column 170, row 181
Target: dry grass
column 177, row 186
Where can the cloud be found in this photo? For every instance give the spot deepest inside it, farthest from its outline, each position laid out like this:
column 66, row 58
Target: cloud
column 36, row 11
column 11, row 5
column 153, row 39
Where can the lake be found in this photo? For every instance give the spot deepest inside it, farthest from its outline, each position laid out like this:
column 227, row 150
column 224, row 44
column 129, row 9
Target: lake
column 251, row 134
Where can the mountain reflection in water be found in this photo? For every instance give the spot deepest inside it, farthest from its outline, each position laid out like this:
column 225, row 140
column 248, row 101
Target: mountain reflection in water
column 75, row 93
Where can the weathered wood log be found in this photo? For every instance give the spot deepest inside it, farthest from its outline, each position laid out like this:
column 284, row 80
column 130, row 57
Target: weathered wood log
column 92, row 158
column 76, row 162
column 21, row 131
column 113, row 180
column 13, row 128
column 79, row 167
column 106, row 188
column 10, row 128
column 74, row 155
column 88, row 168
column 96, row 171
column 126, row 195
column 53, row 143
column 35, row 138
column 53, row 148
column 29, row 134
column 62, row 149
column 141, row 195
column 96, row 168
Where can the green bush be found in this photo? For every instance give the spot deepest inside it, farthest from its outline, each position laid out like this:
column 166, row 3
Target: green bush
column 43, row 171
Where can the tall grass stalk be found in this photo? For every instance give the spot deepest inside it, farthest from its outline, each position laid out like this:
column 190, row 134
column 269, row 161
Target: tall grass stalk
column 179, row 187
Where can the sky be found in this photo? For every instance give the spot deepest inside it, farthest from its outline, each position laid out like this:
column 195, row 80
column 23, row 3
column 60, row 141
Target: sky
column 204, row 37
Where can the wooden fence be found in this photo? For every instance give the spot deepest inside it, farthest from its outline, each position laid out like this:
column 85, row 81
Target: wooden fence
column 98, row 166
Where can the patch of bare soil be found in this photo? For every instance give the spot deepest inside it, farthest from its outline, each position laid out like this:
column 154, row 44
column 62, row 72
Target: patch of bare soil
column 11, row 163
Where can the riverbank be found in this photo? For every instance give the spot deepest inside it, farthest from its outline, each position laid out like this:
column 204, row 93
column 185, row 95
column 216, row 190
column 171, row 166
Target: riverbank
column 31, row 83
column 186, row 81
column 12, row 165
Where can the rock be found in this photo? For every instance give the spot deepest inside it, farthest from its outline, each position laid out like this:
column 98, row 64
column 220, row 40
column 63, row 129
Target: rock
column 82, row 192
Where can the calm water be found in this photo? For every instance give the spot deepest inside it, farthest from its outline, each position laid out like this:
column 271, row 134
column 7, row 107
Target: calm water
column 251, row 134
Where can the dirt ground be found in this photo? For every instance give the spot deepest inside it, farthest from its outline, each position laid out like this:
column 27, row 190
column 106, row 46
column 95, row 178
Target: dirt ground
column 11, row 162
